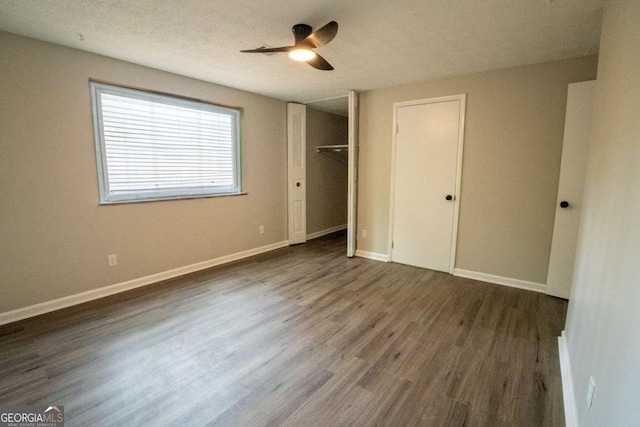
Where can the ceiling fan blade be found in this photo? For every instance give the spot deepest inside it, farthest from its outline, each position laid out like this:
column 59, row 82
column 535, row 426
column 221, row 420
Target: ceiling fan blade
column 322, row 36
column 268, row 49
column 320, row 63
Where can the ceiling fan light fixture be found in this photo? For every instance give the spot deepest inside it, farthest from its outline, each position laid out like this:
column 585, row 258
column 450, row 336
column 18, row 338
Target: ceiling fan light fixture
column 302, row 54
column 305, row 41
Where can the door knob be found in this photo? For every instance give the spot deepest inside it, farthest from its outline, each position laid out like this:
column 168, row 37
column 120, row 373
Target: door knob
column 564, row 204
column 449, row 197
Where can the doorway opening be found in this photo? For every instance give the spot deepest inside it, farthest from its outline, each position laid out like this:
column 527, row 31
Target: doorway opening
column 323, row 138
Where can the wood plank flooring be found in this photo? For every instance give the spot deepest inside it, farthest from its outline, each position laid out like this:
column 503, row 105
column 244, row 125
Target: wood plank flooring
column 302, row 336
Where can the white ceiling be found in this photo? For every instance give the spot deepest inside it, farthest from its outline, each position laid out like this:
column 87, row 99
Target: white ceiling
column 380, row 43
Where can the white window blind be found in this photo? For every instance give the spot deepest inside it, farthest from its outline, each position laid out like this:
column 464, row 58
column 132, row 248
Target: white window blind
column 152, row 146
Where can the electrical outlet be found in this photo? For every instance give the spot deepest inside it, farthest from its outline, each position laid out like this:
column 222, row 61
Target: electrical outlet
column 113, row 260
column 261, row 229
column 364, row 234
column 591, row 391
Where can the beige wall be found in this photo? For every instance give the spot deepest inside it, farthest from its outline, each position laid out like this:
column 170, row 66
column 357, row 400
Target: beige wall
column 55, row 237
column 512, row 148
column 326, row 177
column 603, row 321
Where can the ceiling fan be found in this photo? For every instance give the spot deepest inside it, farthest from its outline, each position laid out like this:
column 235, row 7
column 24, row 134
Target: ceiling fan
column 305, row 42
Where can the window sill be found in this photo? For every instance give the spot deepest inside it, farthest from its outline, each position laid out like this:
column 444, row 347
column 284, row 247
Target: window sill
column 165, row 198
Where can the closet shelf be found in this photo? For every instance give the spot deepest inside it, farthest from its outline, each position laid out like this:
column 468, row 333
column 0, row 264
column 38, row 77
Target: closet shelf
column 336, row 152
column 332, row 148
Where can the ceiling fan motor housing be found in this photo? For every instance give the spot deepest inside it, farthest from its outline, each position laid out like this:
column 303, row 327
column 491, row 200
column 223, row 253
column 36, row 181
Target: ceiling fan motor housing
column 301, row 32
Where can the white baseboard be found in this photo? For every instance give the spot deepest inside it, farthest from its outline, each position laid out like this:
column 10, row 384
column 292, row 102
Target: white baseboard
column 568, row 394
column 326, row 231
column 490, row 278
column 68, row 301
column 372, row 255
column 499, row 280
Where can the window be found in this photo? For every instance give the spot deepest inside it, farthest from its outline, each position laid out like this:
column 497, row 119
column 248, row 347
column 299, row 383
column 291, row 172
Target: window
column 155, row 147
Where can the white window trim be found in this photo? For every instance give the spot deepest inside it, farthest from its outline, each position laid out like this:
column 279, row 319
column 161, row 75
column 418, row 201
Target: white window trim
column 107, row 197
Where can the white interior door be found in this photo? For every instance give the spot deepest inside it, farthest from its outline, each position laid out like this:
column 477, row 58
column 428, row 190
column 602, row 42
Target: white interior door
column 428, row 158
column 353, row 174
column 296, row 171
column 575, row 150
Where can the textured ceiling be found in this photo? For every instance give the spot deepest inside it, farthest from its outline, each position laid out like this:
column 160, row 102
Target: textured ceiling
column 380, row 43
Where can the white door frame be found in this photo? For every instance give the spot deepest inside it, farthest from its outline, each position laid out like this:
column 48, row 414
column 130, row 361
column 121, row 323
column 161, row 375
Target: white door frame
column 456, row 208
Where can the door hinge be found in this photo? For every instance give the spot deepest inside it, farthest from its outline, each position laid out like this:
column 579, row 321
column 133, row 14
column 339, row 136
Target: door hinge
column 397, row 128
column 392, row 242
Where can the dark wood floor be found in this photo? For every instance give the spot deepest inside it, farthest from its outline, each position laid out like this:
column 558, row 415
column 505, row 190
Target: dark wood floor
column 301, row 336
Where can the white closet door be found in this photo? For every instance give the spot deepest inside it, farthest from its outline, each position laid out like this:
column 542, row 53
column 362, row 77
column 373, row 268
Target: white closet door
column 296, row 170
column 353, row 174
